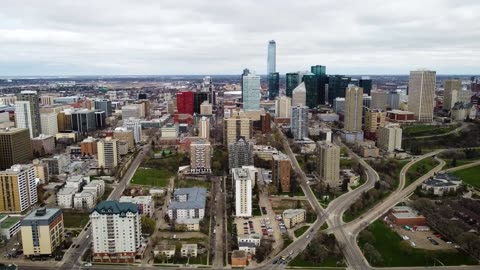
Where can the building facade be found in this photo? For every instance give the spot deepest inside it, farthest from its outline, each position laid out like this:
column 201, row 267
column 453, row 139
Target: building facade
column 240, row 153
column 108, row 154
column 353, row 109
column 18, row 189
column 236, row 126
column 328, row 167
column 281, row 168
column 299, row 122
column 42, row 232
column 200, row 157
column 242, row 180
column 251, row 92
column 421, row 93
column 390, row 137
column 27, row 112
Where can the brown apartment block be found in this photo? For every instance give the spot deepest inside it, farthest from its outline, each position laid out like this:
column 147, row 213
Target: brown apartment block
column 281, row 171
column 15, row 147
column 88, row 147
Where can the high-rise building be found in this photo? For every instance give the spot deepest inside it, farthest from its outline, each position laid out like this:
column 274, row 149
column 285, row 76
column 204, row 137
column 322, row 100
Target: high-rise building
column 49, row 123
column 271, row 57
column 100, row 119
column 283, row 107
column 251, row 92
column 421, row 92
column 15, row 147
column 104, row 105
column 116, row 231
column 299, row 96
column 299, row 122
column 311, row 87
column 390, row 137
column 135, row 125
column 185, row 102
column 18, row 189
column 27, row 112
column 198, row 99
column 108, row 153
column 273, row 85
column 328, row 167
column 373, row 120
column 125, row 134
column 353, row 109
column 291, row 82
column 322, row 78
column 366, row 83
column 393, row 100
column 204, row 128
column 207, row 86
column 379, row 100
column 245, row 73
column 266, row 123
column 449, row 94
column 240, row 153
column 133, row 110
column 88, row 147
column 242, row 179
column 236, row 126
column 200, row 157
column 83, row 121
column 337, row 85
column 206, row 108
column 281, row 172
column 42, row 232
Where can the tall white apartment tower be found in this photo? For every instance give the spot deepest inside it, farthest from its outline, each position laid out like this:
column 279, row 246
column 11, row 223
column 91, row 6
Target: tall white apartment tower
column 421, row 93
column 242, row 179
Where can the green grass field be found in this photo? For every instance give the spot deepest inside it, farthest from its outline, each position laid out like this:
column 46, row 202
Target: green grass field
column 298, row 232
column 151, row 177
column 75, row 219
column 387, row 242
column 470, row 176
column 420, row 168
column 426, row 130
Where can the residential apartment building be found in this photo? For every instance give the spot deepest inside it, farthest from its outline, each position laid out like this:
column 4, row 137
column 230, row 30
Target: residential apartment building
column 251, row 92
column 43, row 144
column 27, row 112
column 146, row 204
column 451, row 87
column 373, row 120
column 281, row 167
column 353, row 109
column 49, row 123
column 421, row 93
column 84, row 200
column 201, row 156
column 187, row 203
column 299, row 122
column 42, row 232
column 88, row 147
column 132, row 110
column 328, row 167
column 299, row 96
column 18, row 189
column 379, row 100
column 242, row 180
column 15, row 147
column 240, row 153
column 292, row 217
column 236, row 126
column 124, row 134
column 390, row 137
column 204, row 128
column 108, row 154
column 135, row 125
column 189, row 250
column 283, row 107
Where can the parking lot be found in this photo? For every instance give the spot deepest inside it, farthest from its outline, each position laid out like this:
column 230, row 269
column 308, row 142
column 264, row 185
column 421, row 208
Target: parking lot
column 253, row 225
column 423, row 239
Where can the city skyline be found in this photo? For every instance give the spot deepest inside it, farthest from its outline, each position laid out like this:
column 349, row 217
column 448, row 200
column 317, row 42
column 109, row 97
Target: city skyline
column 168, row 38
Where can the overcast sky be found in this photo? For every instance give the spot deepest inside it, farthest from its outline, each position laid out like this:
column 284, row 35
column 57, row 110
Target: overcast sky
column 222, row 37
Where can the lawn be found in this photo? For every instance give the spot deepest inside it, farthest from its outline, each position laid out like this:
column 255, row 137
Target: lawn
column 299, row 262
column 459, row 162
column 298, row 232
column 151, row 177
column 470, row 176
column 188, row 183
column 75, row 219
column 419, row 169
column 426, row 130
column 387, row 243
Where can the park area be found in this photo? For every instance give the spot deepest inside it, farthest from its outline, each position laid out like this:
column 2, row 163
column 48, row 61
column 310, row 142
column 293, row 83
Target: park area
column 426, row 130
column 470, row 176
column 384, row 247
column 419, row 169
column 151, row 177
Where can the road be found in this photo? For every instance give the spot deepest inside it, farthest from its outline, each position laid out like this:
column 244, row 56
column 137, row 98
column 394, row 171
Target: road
column 461, row 127
column 218, row 215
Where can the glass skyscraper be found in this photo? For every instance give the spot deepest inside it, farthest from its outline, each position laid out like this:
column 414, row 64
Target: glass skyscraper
column 366, row 83
column 321, row 74
column 245, row 73
column 311, row 87
column 292, row 81
column 273, row 85
column 337, row 85
column 271, row 57
column 251, row 92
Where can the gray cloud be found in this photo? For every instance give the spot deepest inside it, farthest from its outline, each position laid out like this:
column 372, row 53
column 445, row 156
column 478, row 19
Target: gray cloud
column 222, row 37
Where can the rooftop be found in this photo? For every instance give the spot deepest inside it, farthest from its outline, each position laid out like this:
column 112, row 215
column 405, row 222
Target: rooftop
column 42, row 214
column 404, row 212
column 289, row 213
column 239, row 254
column 195, row 198
column 115, row 207
column 9, row 222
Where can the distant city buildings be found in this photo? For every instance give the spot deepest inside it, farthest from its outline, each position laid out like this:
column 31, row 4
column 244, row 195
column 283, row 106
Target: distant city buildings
column 204, row 128
column 27, row 112
column 271, row 57
column 273, row 85
column 15, row 147
column 283, row 107
column 251, row 92
column 236, row 126
column 421, row 93
column 299, row 95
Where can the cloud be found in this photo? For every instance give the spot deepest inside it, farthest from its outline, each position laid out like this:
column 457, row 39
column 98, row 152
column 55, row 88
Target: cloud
column 222, row 37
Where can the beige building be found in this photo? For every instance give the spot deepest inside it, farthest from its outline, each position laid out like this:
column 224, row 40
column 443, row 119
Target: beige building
column 390, row 137
column 379, row 100
column 206, row 108
column 43, row 144
column 165, row 250
column 373, row 120
column 41, row 171
column 204, row 128
column 200, row 157
column 189, row 250
column 18, row 189
column 451, row 87
column 236, row 126
column 42, row 231
column 15, row 147
column 299, row 95
column 124, row 134
column 283, row 107
column 108, row 154
column 292, row 217
column 353, row 109
column 188, row 224
column 421, row 93
column 328, row 167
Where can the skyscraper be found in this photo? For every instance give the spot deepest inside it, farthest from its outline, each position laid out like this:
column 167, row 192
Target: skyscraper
column 245, row 73
column 281, row 171
column 236, row 126
column 448, row 98
column 353, row 109
column 204, row 128
column 311, row 87
column 242, row 179
column 379, row 100
column 251, row 92
column 18, row 189
column 421, row 92
column 272, row 57
column 292, row 80
column 299, row 122
column 299, row 95
column 200, row 157
column 198, row 99
column 240, row 153
column 15, row 147
column 108, row 153
column 390, row 137
column 27, row 112
column 283, row 107
column 185, row 102
column 42, row 232
column 337, row 84
column 104, row 105
column 366, row 83
column 328, row 167
column 273, row 85
column 320, row 73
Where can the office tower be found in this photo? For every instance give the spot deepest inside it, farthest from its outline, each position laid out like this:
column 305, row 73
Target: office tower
column 15, row 147
column 198, row 99
column 236, row 126
column 322, row 78
column 207, row 86
column 281, row 172
column 353, row 109
column 311, row 87
column 393, row 100
column 379, row 100
column 88, row 147
column 240, row 153
column 251, row 92
column 421, row 92
column 42, row 232
column 18, row 189
column 100, row 119
column 146, row 105
column 242, row 179
column 116, row 231
column 27, row 112
column 49, row 123
column 125, row 134
column 200, row 157
column 292, row 80
column 83, row 121
column 273, row 85
column 283, row 107
column 108, row 154
column 245, row 73
column 104, row 105
column 373, row 120
column 134, row 124
column 328, row 167
column 337, row 85
column 449, row 96
column 366, row 83
column 390, row 137
column 299, row 96
column 271, row 57
column 185, row 102
column 204, row 128
column 299, row 122
column 206, row 108
column 64, row 120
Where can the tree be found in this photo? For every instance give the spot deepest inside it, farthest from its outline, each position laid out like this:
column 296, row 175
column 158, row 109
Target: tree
column 405, row 247
column 372, row 254
column 367, row 237
column 454, row 162
column 148, row 225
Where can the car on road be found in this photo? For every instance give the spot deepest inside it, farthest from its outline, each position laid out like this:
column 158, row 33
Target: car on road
column 87, row 264
column 308, row 236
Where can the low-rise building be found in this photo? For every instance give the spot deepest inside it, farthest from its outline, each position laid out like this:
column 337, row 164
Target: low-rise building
column 43, row 144
column 189, row 250
column 239, row 258
column 84, row 200
column 165, row 250
column 292, row 217
column 9, row 226
column 187, row 203
column 249, row 248
column 405, row 215
column 187, row 224
column 441, row 184
column 254, row 238
column 42, row 231
column 264, row 152
column 65, row 197
column 96, row 186
column 146, row 204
